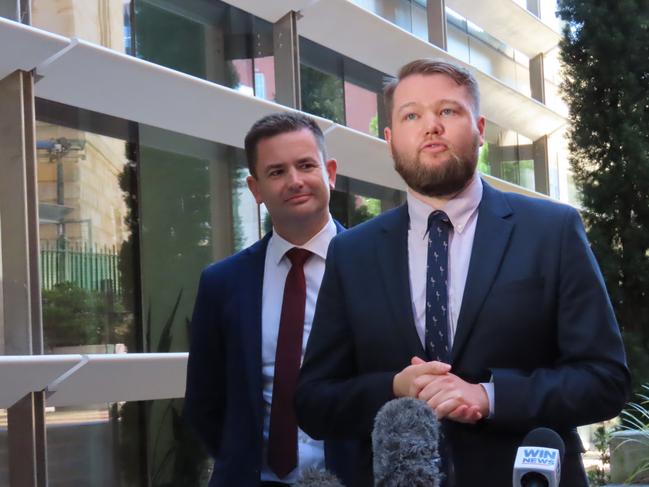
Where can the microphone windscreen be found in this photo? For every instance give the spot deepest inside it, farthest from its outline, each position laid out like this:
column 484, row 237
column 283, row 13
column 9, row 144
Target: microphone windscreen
column 405, row 444
column 538, row 459
column 317, row 477
column 546, row 438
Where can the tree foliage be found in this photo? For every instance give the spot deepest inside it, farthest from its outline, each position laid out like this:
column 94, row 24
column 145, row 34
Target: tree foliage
column 605, row 57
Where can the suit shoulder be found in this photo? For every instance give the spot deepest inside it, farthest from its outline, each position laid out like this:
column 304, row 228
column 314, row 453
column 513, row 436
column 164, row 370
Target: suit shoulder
column 232, row 265
column 531, row 207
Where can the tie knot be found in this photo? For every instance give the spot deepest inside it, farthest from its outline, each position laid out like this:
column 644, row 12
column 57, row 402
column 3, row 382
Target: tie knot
column 298, row 256
column 438, row 217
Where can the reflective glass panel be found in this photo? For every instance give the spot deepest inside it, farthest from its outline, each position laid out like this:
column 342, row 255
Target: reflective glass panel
column 356, row 201
column 103, row 22
column 87, row 240
column 361, row 109
column 211, row 40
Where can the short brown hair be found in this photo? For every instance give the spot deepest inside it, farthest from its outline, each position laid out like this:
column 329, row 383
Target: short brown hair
column 276, row 124
column 460, row 75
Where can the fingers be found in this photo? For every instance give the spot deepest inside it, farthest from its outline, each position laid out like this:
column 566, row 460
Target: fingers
column 452, row 398
column 405, row 383
column 432, row 367
column 465, row 414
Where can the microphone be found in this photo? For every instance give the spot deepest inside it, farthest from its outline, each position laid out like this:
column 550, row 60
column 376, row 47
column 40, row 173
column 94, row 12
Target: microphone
column 405, row 443
column 538, row 460
column 317, row 477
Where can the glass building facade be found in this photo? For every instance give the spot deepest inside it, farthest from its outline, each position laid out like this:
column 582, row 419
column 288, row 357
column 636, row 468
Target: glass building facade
column 128, row 213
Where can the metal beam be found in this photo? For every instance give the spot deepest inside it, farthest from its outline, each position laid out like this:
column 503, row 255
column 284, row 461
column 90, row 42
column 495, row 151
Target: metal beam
column 537, row 78
column 541, row 170
column 534, row 7
column 26, row 435
column 436, row 12
column 10, row 9
column 286, row 50
column 20, row 273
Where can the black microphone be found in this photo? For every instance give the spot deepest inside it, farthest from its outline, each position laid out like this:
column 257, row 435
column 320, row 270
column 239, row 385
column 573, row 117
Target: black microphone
column 405, row 443
column 317, row 477
column 538, row 460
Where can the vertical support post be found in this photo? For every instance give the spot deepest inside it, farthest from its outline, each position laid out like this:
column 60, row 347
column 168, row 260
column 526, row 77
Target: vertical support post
column 534, row 7
column 436, row 11
column 18, row 10
column 10, row 9
column 537, row 78
column 286, row 48
column 541, row 170
column 20, row 271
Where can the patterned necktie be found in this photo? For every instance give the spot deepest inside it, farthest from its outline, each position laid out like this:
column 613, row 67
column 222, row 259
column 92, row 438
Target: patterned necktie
column 437, row 343
column 282, row 435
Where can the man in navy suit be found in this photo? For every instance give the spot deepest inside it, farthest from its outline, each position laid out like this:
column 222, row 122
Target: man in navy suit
column 487, row 305
column 254, row 311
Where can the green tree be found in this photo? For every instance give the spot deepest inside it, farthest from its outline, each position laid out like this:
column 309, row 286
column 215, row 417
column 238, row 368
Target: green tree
column 322, row 94
column 75, row 316
column 605, row 56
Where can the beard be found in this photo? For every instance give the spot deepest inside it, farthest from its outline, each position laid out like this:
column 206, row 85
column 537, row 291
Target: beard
column 442, row 179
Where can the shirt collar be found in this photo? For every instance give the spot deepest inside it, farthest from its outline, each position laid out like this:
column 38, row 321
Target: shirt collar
column 319, row 243
column 459, row 209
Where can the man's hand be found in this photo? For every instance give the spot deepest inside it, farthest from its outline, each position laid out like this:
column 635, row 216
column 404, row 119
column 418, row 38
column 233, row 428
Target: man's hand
column 453, row 398
column 405, row 382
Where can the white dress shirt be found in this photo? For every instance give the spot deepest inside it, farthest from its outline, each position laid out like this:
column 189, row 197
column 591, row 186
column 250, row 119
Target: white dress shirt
column 462, row 210
column 276, row 268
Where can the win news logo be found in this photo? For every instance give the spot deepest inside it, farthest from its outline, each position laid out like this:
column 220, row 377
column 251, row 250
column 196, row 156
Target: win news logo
column 540, row 456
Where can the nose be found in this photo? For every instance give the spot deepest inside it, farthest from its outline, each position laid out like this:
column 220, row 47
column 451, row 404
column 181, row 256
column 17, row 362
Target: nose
column 295, row 179
column 434, row 125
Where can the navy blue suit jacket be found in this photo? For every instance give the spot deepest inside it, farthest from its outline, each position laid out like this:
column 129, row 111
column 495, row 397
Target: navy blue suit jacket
column 223, row 400
column 535, row 319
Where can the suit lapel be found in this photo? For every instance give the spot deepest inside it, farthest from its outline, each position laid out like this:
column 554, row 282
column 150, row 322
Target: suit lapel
column 392, row 253
column 252, row 280
column 492, row 235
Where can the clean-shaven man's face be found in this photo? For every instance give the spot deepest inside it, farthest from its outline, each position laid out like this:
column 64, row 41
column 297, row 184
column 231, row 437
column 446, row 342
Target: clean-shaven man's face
column 291, row 178
column 435, row 136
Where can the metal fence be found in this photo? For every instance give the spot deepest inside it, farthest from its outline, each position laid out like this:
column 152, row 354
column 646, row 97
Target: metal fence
column 90, row 268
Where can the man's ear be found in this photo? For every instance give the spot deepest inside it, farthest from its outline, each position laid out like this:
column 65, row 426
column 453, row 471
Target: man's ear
column 481, row 123
column 253, row 186
column 331, row 166
column 387, row 135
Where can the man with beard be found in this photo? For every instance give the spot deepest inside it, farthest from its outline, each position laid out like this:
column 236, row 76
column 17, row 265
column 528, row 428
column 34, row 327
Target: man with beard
column 489, row 306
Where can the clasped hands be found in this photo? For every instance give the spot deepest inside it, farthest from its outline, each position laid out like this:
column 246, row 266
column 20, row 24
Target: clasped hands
column 448, row 395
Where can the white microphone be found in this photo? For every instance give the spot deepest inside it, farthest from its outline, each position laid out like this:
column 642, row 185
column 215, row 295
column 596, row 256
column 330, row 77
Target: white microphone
column 538, row 460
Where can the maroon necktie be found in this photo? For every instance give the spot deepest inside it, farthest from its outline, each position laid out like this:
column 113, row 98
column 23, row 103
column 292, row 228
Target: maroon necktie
column 282, row 436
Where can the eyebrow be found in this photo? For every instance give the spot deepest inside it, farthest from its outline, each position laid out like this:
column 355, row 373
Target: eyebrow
column 278, row 165
column 442, row 101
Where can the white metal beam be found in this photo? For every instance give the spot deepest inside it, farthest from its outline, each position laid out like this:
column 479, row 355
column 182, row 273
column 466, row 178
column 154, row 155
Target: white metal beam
column 509, row 22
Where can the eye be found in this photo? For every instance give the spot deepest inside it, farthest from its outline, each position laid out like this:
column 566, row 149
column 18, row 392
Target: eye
column 447, row 112
column 410, row 116
column 274, row 173
column 307, row 165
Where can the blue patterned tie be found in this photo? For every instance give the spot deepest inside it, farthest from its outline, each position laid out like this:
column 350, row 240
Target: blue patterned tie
column 437, row 343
